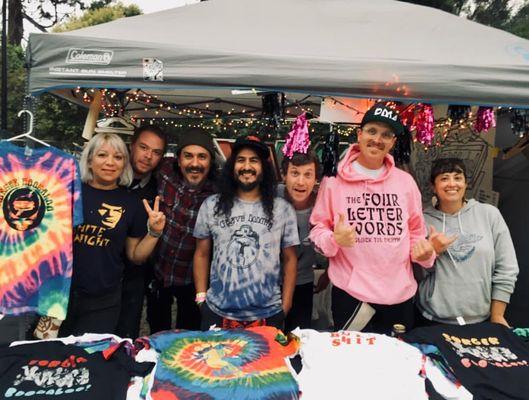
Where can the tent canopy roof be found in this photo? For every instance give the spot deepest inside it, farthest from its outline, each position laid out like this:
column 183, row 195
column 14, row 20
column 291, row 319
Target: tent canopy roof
column 361, row 48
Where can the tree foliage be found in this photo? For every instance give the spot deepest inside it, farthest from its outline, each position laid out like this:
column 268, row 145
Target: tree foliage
column 98, row 15
column 56, row 120
column 16, row 81
column 43, row 14
column 499, row 14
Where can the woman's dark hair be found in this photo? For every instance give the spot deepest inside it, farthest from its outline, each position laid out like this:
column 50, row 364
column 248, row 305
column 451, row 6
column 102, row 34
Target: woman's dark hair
column 299, row 159
column 447, row 165
column 227, row 187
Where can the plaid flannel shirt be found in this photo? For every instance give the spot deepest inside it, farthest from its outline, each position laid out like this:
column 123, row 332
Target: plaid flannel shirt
column 176, row 247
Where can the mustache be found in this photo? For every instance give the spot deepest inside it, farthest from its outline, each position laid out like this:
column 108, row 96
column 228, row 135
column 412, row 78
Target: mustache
column 246, row 171
column 380, row 146
column 191, row 170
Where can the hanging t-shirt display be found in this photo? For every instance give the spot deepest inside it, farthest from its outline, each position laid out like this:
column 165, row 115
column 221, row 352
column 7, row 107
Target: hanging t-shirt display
column 54, row 371
column 236, row 364
column 110, row 217
column 357, row 365
column 488, row 359
column 39, row 205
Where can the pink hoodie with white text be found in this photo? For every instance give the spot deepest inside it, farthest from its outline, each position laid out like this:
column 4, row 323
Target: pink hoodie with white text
column 387, row 215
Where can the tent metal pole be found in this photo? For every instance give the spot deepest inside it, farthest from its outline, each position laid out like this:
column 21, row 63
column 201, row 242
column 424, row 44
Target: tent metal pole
column 4, row 65
column 93, row 114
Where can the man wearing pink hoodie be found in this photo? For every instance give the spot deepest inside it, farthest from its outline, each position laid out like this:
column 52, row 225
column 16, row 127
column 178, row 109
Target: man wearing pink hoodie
column 368, row 221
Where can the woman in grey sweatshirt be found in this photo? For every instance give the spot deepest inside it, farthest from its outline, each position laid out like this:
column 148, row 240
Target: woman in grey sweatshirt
column 474, row 275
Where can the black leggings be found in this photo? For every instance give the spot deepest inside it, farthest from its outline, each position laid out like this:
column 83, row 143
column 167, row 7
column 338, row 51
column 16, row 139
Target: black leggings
column 301, row 312
column 344, row 305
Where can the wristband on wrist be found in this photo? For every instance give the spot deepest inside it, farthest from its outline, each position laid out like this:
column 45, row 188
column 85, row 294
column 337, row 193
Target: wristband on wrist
column 200, row 297
column 151, row 233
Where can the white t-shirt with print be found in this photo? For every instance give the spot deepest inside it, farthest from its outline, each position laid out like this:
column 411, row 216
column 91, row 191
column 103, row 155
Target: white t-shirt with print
column 356, row 365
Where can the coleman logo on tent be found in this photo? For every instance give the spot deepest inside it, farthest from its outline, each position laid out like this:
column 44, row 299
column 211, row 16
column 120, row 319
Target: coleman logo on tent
column 383, row 112
column 89, row 56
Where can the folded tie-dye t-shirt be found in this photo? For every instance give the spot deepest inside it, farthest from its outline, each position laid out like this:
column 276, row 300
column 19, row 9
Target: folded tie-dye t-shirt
column 246, row 273
column 39, row 204
column 242, row 364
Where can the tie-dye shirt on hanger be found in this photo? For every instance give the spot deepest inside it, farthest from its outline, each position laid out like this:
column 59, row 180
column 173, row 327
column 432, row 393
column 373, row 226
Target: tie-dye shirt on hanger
column 40, row 202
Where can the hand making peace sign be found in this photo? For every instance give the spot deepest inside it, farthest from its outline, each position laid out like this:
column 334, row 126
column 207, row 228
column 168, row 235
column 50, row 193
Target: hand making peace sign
column 156, row 217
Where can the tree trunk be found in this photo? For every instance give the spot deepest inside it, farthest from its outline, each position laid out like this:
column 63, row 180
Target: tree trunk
column 15, row 30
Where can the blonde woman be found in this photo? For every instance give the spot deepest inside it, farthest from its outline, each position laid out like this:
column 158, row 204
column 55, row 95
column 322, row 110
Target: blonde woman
column 115, row 223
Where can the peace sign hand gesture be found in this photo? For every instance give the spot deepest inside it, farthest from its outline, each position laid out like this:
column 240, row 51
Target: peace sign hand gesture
column 156, row 221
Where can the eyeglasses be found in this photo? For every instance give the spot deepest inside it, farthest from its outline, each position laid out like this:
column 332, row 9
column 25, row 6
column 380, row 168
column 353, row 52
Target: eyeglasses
column 385, row 134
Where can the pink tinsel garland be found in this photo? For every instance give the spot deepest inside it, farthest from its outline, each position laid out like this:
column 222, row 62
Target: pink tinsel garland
column 485, row 119
column 424, row 125
column 298, row 140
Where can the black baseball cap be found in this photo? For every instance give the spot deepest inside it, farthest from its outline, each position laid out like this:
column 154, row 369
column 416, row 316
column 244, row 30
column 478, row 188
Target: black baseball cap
column 254, row 143
column 382, row 113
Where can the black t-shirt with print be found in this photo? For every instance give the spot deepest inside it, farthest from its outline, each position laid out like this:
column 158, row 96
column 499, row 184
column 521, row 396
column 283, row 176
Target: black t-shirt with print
column 55, row 371
column 488, row 359
column 110, row 216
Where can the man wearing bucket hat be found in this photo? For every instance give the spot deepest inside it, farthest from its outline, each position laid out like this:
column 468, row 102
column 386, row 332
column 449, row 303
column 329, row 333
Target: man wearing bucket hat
column 368, row 221
column 184, row 183
column 242, row 234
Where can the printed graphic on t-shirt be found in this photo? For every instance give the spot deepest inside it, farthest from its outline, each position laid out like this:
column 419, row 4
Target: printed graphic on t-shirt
column 243, row 247
column 483, row 352
column 110, row 215
column 377, row 217
column 352, row 338
column 95, row 235
column 487, row 358
column 464, row 246
column 51, row 377
column 234, row 364
column 39, row 204
column 24, row 205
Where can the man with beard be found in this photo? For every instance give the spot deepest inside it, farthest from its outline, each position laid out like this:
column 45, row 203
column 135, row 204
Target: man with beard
column 183, row 184
column 147, row 148
column 248, row 228
column 368, row 221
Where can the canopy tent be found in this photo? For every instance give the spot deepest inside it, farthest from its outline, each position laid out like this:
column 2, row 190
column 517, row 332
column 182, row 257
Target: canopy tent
column 356, row 48
column 194, row 56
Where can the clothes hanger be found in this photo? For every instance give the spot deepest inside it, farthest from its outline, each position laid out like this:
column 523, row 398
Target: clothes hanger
column 27, row 134
column 106, row 126
column 105, row 123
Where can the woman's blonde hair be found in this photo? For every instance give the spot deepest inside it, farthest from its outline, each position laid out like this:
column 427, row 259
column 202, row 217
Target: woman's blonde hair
column 94, row 145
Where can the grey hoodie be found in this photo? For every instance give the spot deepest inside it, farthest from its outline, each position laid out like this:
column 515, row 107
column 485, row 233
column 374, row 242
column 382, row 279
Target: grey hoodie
column 478, row 267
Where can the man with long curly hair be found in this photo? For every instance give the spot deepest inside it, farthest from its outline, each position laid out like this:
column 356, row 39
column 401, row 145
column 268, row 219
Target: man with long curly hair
column 248, row 229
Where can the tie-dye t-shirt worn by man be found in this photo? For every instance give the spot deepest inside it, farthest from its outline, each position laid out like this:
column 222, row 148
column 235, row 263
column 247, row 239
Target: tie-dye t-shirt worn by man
column 237, row 364
column 245, row 274
column 40, row 202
